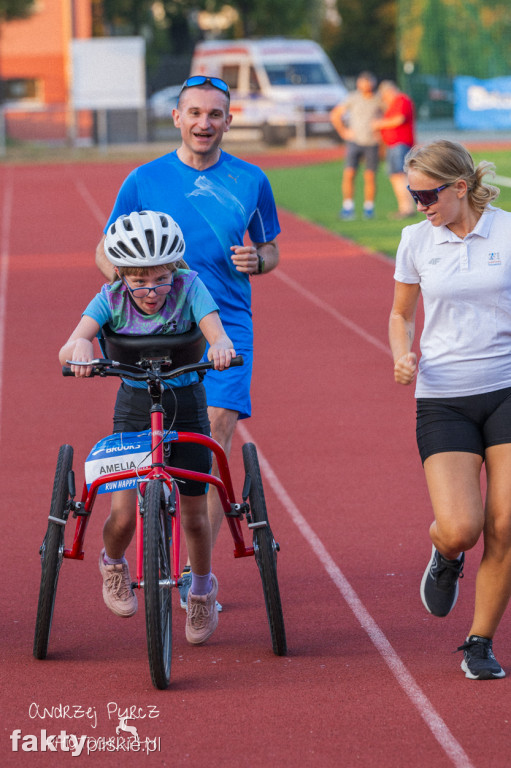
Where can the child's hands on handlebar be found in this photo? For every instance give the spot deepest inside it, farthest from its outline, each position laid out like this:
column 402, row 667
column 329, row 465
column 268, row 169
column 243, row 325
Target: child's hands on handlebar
column 83, row 351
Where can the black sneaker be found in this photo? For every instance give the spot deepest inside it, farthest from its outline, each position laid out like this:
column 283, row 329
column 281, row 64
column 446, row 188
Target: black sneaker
column 439, row 585
column 479, row 663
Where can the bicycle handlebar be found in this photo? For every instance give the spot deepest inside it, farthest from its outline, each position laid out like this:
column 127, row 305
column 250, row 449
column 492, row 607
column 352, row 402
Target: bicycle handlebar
column 104, row 367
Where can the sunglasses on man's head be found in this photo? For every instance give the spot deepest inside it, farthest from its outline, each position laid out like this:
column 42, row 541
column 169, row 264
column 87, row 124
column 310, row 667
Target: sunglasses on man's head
column 426, row 197
column 197, row 80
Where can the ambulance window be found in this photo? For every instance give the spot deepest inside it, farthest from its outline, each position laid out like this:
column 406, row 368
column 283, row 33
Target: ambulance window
column 298, row 73
column 230, row 74
column 253, row 81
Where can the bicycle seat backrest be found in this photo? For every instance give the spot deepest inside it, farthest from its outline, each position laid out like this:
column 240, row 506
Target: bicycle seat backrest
column 175, row 351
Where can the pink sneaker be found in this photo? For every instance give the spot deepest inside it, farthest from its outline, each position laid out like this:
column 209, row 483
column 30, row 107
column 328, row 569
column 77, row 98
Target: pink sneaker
column 117, row 592
column 202, row 616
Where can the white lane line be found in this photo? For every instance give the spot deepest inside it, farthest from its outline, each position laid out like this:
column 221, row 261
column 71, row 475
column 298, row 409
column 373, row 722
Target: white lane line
column 502, row 181
column 434, row 722
column 90, row 202
column 4, row 273
column 331, row 311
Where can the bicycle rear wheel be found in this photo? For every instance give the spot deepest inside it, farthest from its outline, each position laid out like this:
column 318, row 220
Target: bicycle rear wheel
column 52, row 552
column 265, row 549
column 157, row 584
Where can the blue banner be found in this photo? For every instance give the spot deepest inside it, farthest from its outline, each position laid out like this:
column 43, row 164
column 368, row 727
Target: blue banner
column 482, row 104
column 118, row 452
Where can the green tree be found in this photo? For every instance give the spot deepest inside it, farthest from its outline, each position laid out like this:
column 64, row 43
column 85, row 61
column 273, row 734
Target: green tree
column 456, row 37
column 168, row 28
column 296, row 18
column 123, row 17
column 15, row 9
column 293, row 18
column 366, row 38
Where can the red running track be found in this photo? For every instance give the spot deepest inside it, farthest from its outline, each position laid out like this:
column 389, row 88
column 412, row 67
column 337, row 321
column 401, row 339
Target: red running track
column 370, row 679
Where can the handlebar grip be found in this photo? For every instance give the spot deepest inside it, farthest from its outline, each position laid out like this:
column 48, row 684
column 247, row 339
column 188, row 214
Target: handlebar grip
column 96, row 371
column 238, row 360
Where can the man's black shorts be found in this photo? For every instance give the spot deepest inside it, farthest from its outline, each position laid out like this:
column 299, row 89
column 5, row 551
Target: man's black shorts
column 468, row 424
column 131, row 414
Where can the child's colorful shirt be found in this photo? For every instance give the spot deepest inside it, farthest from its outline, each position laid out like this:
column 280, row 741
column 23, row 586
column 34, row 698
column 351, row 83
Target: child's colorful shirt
column 187, row 303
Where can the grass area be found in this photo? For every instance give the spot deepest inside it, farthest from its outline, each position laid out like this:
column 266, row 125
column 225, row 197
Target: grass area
column 313, row 192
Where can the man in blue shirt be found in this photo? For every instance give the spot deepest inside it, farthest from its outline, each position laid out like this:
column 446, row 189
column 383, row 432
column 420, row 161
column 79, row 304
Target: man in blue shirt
column 215, row 198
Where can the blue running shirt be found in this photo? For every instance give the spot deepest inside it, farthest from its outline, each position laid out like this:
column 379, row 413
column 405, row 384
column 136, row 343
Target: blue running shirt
column 214, row 209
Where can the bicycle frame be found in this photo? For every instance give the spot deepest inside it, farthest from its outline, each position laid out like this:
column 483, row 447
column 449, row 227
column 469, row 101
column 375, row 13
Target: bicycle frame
column 156, row 571
column 167, row 474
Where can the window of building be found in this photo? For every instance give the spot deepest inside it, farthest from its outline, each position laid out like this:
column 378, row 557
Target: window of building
column 21, row 91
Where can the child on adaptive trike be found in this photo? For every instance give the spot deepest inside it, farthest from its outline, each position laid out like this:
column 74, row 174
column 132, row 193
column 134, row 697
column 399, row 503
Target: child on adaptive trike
column 156, row 294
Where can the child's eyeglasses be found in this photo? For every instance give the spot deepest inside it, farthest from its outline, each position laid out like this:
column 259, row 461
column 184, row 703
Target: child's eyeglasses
column 197, row 80
column 142, row 293
column 426, row 197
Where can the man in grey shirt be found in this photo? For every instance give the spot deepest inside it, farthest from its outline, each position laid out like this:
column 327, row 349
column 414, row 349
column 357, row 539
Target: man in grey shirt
column 353, row 121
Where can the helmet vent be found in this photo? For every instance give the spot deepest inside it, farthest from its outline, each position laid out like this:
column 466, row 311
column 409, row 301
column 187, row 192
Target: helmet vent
column 150, row 239
column 136, row 244
column 124, row 249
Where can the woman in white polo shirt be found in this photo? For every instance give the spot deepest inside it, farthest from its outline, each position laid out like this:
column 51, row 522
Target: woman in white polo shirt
column 459, row 259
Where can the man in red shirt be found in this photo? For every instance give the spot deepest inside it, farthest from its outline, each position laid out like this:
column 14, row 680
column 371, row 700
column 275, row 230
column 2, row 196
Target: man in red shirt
column 397, row 132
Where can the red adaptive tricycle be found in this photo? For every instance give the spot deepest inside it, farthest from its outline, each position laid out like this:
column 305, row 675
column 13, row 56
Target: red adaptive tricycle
column 155, row 360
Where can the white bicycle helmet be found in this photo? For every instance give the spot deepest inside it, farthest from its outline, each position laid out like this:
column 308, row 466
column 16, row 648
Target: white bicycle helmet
column 145, row 239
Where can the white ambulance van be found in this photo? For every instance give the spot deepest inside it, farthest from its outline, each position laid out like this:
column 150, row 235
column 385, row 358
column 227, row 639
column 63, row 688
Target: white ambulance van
column 282, row 87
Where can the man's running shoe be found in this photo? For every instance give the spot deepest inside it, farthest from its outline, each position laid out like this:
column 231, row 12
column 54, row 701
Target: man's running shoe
column 479, row 663
column 202, row 615
column 439, row 585
column 186, row 582
column 117, row 592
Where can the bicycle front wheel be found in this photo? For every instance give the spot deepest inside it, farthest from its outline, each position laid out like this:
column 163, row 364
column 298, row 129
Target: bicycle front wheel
column 52, row 552
column 265, row 550
column 157, row 584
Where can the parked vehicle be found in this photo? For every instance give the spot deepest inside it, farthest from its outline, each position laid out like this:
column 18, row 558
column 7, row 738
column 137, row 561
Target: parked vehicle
column 279, row 86
column 161, row 103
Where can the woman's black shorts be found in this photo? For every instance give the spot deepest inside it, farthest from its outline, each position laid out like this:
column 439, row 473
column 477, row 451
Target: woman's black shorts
column 131, row 414
column 469, row 424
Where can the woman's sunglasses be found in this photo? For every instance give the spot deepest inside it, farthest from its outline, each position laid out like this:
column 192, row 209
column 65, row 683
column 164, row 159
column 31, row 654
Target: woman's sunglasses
column 197, row 80
column 426, row 197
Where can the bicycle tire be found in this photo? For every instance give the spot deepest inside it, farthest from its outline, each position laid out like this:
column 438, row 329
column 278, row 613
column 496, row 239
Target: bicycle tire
column 52, row 553
column 265, row 551
column 157, row 587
